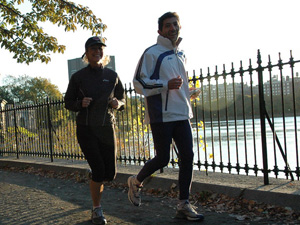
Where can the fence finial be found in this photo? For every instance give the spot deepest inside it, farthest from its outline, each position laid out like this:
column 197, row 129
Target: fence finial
column 259, row 58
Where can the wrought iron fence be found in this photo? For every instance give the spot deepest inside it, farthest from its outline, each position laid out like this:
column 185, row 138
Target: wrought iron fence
column 42, row 129
column 245, row 122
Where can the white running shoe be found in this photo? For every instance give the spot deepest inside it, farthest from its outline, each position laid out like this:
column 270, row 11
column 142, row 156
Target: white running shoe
column 187, row 211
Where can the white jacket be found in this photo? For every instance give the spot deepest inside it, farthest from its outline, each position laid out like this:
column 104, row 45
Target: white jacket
column 159, row 64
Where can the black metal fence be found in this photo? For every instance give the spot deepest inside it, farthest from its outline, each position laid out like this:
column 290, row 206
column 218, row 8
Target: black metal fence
column 245, row 122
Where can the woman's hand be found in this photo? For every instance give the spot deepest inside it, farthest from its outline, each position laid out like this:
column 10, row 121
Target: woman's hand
column 114, row 103
column 86, row 102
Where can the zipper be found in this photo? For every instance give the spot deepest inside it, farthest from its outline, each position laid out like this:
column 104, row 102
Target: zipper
column 106, row 109
column 167, row 96
column 87, row 110
column 108, row 100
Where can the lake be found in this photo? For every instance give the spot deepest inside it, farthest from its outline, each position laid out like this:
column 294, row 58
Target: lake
column 241, row 143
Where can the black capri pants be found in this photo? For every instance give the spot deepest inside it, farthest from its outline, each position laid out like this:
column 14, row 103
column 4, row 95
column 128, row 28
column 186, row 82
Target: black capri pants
column 98, row 146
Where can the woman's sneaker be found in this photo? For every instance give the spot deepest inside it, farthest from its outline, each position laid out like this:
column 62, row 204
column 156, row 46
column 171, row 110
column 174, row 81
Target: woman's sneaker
column 187, row 211
column 134, row 191
column 98, row 217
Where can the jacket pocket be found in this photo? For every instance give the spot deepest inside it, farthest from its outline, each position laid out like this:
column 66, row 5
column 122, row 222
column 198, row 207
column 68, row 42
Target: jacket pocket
column 155, row 108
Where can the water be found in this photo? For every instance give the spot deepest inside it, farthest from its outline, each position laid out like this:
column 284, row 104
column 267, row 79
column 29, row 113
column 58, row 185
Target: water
column 228, row 145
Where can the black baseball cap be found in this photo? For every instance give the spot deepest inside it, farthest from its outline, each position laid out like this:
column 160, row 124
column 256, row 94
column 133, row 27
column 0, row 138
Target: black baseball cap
column 93, row 41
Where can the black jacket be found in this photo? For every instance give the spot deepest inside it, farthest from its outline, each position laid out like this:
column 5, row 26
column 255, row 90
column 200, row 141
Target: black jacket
column 101, row 85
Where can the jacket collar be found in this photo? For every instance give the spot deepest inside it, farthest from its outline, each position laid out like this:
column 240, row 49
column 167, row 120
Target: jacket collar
column 165, row 42
column 95, row 68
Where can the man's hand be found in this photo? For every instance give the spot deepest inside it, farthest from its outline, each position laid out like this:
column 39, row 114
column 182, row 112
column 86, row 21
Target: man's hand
column 175, row 83
column 194, row 93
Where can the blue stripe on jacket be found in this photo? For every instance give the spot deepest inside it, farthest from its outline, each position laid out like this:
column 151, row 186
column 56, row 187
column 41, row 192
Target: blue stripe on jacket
column 155, row 75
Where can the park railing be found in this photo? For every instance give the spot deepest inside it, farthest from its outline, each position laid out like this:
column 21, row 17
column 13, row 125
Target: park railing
column 245, row 122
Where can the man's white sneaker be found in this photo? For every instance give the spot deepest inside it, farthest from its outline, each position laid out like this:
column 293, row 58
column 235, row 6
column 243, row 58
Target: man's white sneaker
column 187, row 211
column 134, row 191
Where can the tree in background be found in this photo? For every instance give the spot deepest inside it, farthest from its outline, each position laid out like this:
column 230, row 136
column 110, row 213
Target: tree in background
column 25, row 88
column 22, row 33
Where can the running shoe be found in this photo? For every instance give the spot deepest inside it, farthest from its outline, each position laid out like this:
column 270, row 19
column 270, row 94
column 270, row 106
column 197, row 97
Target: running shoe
column 134, row 191
column 98, row 217
column 187, row 211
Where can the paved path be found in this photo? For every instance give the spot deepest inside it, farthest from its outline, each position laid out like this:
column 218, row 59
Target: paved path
column 26, row 198
column 33, row 199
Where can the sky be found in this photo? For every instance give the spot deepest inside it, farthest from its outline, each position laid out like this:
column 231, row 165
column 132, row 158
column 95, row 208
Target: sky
column 214, row 33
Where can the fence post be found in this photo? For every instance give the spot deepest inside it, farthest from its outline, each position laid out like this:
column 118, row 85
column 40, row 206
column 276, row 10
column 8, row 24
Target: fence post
column 262, row 111
column 16, row 130
column 49, row 129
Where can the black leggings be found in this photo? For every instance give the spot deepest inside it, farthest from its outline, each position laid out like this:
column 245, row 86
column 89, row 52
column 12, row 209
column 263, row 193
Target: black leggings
column 181, row 133
column 98, row 146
